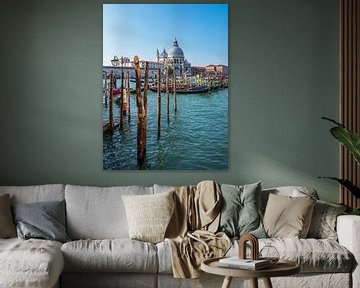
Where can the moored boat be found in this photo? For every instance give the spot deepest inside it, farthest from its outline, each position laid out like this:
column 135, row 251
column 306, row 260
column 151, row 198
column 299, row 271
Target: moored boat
column 182, row 89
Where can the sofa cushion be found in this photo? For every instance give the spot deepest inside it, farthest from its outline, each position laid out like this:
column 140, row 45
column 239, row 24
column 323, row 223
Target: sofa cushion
column 116, row 255
column 287, row 216
column 98, row 213
column 30, row 263
column 313, row 255
column 109, row 280
column 323, row 222
column 149, row 215
column 164, row 257
column 7, row 226
column 240, row 210
column 43, row 220
column 36, row 193
column 163, row 188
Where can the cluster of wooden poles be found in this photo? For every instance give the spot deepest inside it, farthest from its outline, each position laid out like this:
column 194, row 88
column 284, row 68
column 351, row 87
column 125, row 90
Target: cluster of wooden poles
column 141, row 103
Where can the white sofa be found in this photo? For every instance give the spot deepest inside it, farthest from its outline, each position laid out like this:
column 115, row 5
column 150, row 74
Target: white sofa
column 101, row 254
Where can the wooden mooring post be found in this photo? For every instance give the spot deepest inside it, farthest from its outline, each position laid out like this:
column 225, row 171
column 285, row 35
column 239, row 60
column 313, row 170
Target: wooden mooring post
column 128, row 94
column 141, row 103
column 122, row 102
column 158, row 102
column 111, row 120
column 175, row 100
column 167, row 94
column 106, row 91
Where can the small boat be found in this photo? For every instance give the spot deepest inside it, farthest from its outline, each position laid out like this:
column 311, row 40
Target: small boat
column 183, row 90
column 133, row 90
column 116, row 91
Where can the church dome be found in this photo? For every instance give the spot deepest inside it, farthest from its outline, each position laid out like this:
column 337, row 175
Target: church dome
column 176, row 51
column 163, row 54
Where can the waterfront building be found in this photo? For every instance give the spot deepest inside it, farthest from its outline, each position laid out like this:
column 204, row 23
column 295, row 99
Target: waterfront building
column 175, row 58
column 217, row 69
column 222, row 69
column 161, row 58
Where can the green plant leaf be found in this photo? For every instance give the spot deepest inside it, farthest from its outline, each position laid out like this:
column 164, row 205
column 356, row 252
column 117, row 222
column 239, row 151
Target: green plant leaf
column 348, row 138
column 355, row 211
column 333, row 121
column 347, row 184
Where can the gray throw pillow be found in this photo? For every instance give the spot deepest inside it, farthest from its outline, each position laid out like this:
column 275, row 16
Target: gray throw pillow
column 7, row 226
column 44, row 220
column 240, row 213
column 323, row 222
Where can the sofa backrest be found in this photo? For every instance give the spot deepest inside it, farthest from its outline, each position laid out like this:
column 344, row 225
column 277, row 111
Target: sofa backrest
column 98, row 212
column 36, row 193
column 163, row 188
column 293, row 191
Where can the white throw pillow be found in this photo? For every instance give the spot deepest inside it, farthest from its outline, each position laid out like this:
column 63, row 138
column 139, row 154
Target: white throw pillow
column 149, row 215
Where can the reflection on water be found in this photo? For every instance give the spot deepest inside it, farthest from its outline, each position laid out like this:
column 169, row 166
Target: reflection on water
column 195, row 138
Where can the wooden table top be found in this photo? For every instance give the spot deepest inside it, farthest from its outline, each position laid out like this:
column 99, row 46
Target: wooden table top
column 281, row 268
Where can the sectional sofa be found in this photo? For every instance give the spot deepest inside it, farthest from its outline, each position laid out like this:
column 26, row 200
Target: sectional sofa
column 100, row 253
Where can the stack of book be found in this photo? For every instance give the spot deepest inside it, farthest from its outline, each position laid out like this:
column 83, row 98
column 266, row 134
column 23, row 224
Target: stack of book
column 236, row 262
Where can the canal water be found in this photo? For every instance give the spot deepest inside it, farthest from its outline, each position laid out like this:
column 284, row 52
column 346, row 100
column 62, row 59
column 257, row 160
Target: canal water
column 194, row 138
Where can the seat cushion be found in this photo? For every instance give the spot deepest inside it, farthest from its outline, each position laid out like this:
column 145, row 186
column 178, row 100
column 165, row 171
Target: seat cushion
column 30, row 263
column 117, row 255
column 98, row 213
column 313, row 255
column 108, row 280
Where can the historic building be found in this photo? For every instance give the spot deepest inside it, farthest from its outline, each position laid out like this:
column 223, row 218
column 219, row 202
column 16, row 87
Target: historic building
column 175, row 59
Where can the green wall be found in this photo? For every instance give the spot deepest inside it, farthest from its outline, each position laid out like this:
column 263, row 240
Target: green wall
column 284, row 77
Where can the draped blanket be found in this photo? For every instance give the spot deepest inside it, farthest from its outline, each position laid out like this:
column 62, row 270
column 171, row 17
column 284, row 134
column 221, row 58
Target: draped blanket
column 191, row 232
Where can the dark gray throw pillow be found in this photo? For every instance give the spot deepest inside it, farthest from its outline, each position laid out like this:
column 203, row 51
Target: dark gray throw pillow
column 7, row 226
column 44, row 220
column 240, row 213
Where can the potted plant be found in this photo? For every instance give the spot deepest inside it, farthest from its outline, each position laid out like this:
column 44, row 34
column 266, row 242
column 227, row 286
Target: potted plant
column 351, row 141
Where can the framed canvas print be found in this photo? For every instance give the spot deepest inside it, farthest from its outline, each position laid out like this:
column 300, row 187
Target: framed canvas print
column 165, row 86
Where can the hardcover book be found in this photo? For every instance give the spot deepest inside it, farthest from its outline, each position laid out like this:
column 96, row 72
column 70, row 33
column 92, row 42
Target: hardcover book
column 249, row 264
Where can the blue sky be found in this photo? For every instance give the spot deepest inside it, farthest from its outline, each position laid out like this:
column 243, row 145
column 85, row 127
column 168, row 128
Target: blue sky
column 140, row 29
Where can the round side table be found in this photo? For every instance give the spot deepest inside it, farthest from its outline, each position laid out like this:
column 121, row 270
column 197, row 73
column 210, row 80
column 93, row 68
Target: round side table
column 281, row 268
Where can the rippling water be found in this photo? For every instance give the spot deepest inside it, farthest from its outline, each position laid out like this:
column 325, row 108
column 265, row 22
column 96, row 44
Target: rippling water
column 195, row 138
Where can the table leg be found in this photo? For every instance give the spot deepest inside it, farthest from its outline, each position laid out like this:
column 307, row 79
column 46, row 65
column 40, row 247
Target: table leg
column 267, row 283
column 254, row 282
column 227, row 282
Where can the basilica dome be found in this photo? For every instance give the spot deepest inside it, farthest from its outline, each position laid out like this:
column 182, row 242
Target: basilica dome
column 176, row 51
column 163, row 54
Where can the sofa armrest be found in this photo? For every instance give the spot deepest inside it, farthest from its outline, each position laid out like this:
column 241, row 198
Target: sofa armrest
column 348, row 230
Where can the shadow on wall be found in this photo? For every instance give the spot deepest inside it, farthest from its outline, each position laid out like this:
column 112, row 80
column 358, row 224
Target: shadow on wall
column 274, row 173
